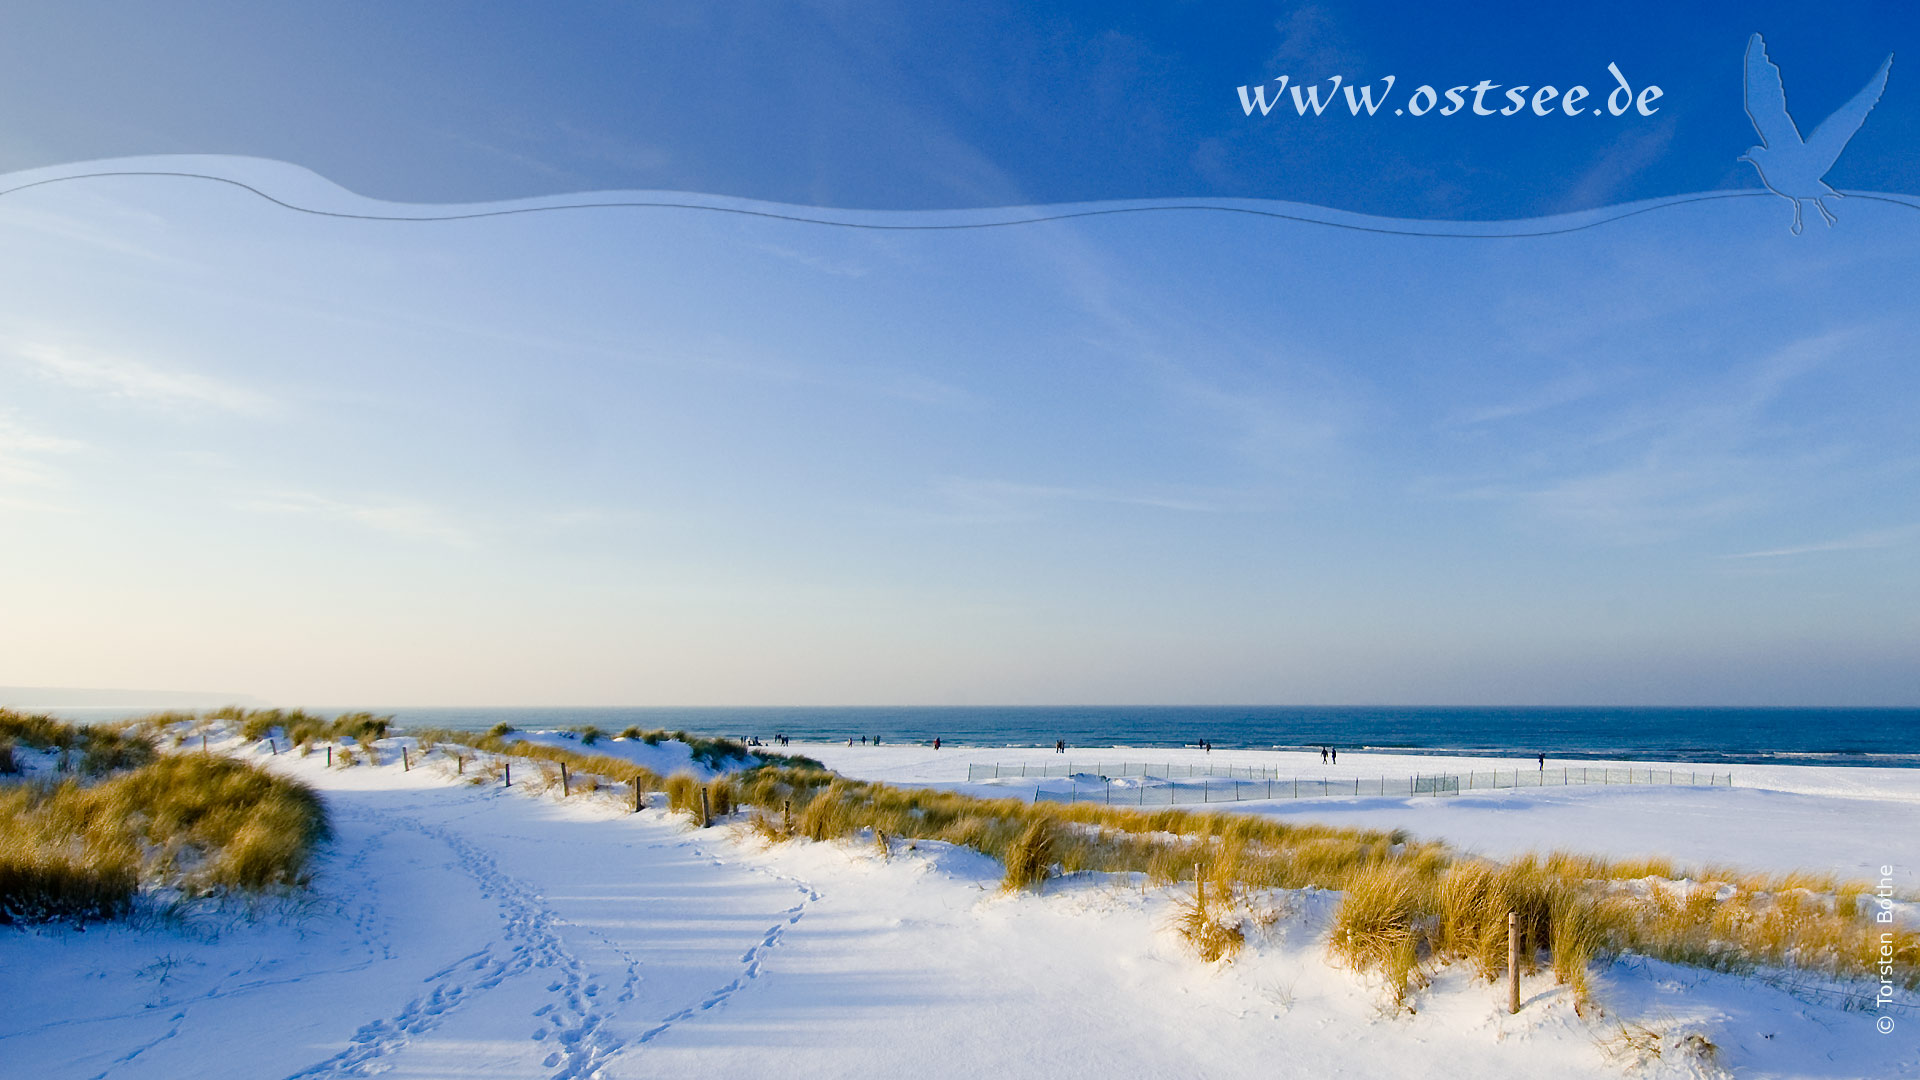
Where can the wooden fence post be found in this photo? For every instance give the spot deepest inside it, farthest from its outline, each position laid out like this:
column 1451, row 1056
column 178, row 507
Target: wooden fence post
column 507, row 774
column 460, row 764
column 405, row 765
column 636, row 793
column 566, row 785
column 1513, row 962
column 329, row 755
column 706, row 814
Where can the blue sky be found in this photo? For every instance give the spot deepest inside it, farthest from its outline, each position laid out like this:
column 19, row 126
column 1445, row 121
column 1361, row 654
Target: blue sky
column 679, row 457
column 913, row 105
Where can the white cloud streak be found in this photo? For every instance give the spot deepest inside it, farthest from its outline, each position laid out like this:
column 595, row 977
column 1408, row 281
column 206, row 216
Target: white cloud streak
column 408, row 521
column 21, row 452
column 132, row 380
column 1866, row 541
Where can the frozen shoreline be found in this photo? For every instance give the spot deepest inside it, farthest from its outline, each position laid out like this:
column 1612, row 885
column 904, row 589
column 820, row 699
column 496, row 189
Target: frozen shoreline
column 1844, row 820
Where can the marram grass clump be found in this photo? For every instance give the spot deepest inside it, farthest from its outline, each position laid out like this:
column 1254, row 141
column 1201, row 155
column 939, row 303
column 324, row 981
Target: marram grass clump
column 1030, row 859
column 1406, row 905
column 1208, row 921
column 193, row 823
column 92, row 749
column 298, row 727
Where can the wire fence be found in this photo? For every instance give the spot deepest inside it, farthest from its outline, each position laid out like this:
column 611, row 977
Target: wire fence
column 1137, row 784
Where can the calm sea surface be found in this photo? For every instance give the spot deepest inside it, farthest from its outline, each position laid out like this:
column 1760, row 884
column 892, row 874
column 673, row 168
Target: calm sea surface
column 1886, row 737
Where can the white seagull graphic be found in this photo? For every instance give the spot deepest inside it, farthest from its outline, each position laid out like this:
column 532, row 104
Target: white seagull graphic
column 1790, row 166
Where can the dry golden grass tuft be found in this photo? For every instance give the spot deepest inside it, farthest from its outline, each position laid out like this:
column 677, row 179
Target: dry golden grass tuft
column 1030, row 858
column 192, row 822
column 1210, row 921
column 683, row 793
column 1381, row 925
column 1405, row 904
column 722, row 796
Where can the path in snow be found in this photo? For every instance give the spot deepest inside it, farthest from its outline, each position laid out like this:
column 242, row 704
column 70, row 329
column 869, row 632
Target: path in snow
column 475, row 932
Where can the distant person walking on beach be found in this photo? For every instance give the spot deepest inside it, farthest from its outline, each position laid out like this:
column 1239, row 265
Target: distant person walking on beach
column 1323, row 755
column 936, row 742
column 1543, row 763
column 1060, row 746
column 1335, row 751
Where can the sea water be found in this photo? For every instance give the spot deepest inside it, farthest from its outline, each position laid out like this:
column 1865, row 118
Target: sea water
column 1830, row 736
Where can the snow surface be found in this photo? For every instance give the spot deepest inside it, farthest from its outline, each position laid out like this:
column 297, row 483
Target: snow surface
column 1844, row 821
column 460, row 930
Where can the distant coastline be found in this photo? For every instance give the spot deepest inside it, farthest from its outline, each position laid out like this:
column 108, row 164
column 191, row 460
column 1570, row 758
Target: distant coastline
column 1883, row 737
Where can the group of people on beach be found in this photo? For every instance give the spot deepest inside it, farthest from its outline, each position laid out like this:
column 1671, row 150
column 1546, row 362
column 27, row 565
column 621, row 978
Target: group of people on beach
column 1329, row 755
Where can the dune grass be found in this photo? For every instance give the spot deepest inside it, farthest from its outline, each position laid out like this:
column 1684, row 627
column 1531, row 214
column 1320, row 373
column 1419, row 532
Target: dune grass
column 1406, row 906
column 94, row 749
column 298, row 727
column 1030, row 859
column 192, row 823
column 1211, row 921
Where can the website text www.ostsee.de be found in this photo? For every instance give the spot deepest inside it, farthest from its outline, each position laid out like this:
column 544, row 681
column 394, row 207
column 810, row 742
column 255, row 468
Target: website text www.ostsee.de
column 1484, row 98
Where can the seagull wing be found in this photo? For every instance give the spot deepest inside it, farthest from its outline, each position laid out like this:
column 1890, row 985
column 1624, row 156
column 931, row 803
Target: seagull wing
column 1831, row 137
column 1767, row 99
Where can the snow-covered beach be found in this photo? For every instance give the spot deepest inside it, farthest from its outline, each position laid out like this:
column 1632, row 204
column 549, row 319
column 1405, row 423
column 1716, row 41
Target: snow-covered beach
column 463, row 930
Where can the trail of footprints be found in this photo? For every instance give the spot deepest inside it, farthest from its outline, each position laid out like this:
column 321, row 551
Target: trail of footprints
column 529, row 940
column 750, row 960
column 571, row 1022
column 364, row 922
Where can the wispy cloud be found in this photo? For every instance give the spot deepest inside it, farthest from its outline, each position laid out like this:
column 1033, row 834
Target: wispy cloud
column 1865, row 541
column 410, row 521
column 846, row 268
column 1562, row 391
column 22, row 452
column 133, row 380
column 1662, row 464
column 999, row 497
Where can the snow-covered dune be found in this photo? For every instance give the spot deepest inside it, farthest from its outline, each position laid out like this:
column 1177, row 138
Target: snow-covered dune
column 461, row 929
column 1844, row 821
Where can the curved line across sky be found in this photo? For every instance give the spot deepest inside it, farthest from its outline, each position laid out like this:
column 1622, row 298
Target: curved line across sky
column 905, row 220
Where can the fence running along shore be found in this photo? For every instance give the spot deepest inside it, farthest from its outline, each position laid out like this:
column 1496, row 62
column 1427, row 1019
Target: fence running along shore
column 1240, row 783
